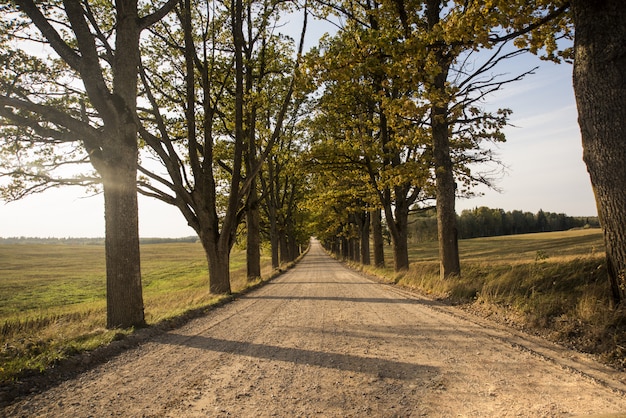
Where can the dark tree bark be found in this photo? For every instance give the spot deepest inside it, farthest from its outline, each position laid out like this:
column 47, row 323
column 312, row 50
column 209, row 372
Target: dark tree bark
column 268, row 186
column 345, row 248
column 600, row 89
column 253, row 235
column 218, row 257
column 398, row 228
column 283, row 246
column 365, row 238
column 377, row 238
column 124, row 292
column 445, row 187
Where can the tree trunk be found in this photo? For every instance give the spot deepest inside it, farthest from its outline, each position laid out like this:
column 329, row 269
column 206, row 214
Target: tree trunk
column 218, row 260
column 449, row 263
column 294, row 248
column 600, row 88
column 124, row 293
column 283, row 248
column 253, row 234
column 356, row 250
column 400, row 252
column 398, row 228
column 445, row 187
column 274, row 243
column 379, row 243
column 119, row 173
column 365, row 239
column 345, row 248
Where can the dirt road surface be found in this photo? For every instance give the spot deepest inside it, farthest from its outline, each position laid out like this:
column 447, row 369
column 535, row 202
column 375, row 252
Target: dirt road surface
column 322, row 340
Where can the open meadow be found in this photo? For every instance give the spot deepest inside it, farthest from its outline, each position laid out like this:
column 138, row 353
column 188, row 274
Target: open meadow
column 53, row 300
column 52, row 297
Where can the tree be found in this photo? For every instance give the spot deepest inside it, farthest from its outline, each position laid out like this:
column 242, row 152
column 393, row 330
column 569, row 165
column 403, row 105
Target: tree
column 454, row 90
column 361, row 129
column 84, row 98
column 283, row 182
column 600, row 88
column 211, row 104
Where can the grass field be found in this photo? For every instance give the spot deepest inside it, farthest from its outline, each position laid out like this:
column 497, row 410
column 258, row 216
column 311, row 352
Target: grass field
column 554, row 284
column 53, row 301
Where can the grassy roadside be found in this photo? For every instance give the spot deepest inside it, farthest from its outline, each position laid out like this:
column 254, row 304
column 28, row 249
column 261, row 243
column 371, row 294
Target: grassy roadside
column 53, row 301
column 550, row 284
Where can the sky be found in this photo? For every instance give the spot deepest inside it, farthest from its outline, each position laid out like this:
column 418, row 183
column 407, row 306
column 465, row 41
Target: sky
column 543, row 156
column 543, row 151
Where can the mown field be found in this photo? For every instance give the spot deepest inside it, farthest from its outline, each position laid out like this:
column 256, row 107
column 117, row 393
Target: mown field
column 53, row 301
column 52, row 297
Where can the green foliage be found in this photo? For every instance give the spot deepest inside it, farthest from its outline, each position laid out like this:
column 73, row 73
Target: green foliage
column 396, row 71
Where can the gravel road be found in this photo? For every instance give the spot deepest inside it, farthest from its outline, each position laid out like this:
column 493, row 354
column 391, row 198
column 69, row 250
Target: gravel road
column 322, row 340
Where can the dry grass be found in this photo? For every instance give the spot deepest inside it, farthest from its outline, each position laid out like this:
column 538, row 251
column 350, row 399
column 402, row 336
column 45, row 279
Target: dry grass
column 554, row 284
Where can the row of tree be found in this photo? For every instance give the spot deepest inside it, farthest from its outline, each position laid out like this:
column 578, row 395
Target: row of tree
column 486, row 222
column 208, row 107
column 402, row 123
column 193, row 103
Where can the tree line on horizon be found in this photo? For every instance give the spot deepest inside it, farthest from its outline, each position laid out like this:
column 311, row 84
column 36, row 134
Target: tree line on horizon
column 90, row 240
column 487, row 222
column 209, row 108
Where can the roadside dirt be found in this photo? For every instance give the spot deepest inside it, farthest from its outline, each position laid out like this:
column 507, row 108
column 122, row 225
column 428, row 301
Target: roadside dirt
column 322, row 340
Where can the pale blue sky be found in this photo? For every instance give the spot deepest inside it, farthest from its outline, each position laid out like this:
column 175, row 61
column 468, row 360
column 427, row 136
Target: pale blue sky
column 543, row 154
column 543, row 151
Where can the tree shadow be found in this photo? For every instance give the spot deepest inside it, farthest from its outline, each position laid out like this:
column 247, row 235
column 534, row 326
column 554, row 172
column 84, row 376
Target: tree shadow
column 377, row 367
column 348, row 299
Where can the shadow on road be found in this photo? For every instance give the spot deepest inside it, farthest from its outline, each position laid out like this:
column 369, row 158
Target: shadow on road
column 379, row 368
column 347, row 299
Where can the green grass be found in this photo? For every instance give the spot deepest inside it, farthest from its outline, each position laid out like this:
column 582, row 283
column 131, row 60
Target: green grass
column 554, row 284
column 53, row 301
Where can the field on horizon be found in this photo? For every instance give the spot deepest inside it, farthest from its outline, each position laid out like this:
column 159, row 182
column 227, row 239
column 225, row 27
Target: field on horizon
column 36, row 279
column 39, row 278
column 53, row 296
column 519, row 248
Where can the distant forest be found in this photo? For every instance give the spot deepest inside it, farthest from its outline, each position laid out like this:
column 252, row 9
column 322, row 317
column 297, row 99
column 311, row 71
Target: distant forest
column 487, row 222
column 88, row 241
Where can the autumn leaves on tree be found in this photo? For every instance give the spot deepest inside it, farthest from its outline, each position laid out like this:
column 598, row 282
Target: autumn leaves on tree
column 405, row 86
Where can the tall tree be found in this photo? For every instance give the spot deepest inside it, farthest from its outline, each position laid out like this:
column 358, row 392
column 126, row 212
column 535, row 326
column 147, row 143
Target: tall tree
column 600, row 88
column 431, row 43
column 283, row 185
column 445, row 185
column 101, row 115
column 209, row 178
column 455, row 90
